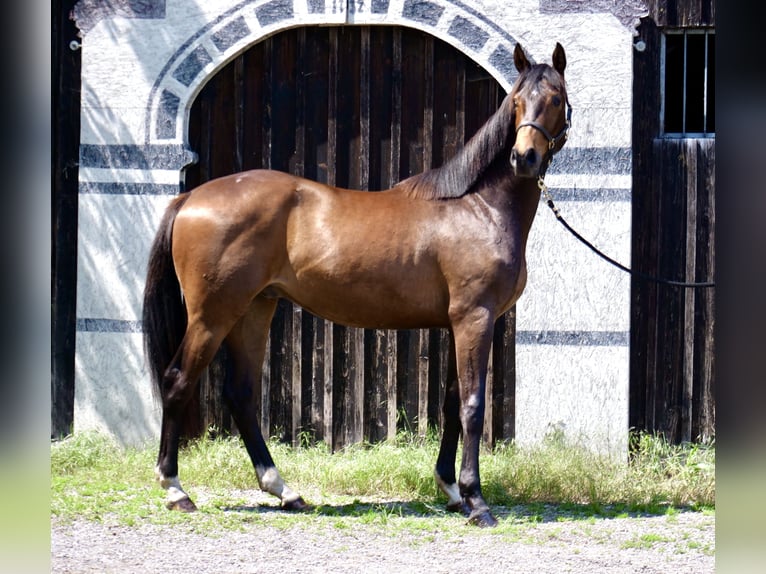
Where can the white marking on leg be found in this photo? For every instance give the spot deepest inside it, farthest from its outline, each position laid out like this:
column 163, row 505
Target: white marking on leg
column 451, row 490
column 172, row 486
column 271, row 481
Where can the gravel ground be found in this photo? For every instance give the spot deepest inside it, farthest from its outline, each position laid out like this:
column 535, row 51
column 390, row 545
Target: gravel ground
column 681, row 543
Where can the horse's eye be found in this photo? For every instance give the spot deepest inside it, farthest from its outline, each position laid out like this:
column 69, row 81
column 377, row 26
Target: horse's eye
column 556, row 101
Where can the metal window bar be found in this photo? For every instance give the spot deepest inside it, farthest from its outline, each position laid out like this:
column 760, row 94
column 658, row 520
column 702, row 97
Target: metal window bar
column 663, row 71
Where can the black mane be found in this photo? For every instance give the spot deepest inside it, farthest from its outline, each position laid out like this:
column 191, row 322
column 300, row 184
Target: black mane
column 456, row 177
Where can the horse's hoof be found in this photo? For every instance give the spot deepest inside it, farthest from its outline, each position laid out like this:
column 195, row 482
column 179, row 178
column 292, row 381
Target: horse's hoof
column 183, row 505
column 460, row 507
column 482, row 519
column 296, row 505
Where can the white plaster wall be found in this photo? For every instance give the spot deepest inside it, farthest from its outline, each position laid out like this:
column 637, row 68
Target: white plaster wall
column 126, row 64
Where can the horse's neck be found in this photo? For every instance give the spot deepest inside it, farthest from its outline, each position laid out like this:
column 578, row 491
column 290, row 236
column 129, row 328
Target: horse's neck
column 514, row 197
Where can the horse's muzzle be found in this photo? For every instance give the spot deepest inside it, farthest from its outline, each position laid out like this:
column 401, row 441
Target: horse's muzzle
column 525, row 164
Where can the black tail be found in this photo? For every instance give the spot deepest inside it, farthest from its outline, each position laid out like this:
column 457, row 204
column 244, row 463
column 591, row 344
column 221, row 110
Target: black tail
column 164, row 313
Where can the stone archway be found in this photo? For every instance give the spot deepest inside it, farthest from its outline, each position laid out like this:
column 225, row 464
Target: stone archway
column 217, row 42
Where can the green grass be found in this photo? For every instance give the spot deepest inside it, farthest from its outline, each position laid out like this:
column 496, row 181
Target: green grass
column 381, row 484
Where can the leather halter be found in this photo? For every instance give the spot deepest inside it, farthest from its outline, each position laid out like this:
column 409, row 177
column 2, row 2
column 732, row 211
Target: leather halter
column 553, row 141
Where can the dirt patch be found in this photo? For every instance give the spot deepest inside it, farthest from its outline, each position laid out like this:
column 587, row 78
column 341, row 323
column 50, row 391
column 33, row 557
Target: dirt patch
column 681, row 543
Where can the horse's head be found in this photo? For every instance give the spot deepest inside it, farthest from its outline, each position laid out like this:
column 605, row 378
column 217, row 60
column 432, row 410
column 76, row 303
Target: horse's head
column 541, row 112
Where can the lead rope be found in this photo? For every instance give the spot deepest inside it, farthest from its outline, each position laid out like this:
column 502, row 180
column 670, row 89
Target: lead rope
column 549, row 200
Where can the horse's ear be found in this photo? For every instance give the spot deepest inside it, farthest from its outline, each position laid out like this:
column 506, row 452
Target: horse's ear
column 520, row 58
column 559, row 59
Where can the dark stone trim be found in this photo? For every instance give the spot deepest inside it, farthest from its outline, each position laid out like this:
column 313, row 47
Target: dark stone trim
column 166, row 115
column 87, row 13
column 556, row 338
column 468, row 33
column 592, row 160
column 379, row 6
column 274, row 11
column 125, row 156
column 502, row 60
column 422, row 11
column 574, row 338
column 317, row 6
column 89, row 325
column 128, row 188
column 590, row 195
column 230, row 34
column 560, row 194
column 609, row 160
column 192, row 65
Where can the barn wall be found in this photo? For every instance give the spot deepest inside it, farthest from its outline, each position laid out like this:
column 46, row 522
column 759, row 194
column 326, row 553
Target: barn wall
column 144, row 64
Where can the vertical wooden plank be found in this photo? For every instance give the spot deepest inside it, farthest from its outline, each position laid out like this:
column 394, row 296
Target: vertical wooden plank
column 331, row 164
column 359, row 179
column 507, row 363
column 253, row 99
column 391, row 396
column 329, row 378
column 704, row 401
column 671, row 233
column 240, row 128
column 315, row 59
column 646, row 97
column 421, row 370
column 377, row 107
column 394, row 175
column 395, row 162
column 265, row 137
column 268, row 91
column 381, row 72
column 348, row 343
column 296, row 337
column 687, row 405
column 413, row 343
column 375, row 408
column 363, row 152
column 426, row 136
column 297, row 167
column 488, row 435
column 65, row 140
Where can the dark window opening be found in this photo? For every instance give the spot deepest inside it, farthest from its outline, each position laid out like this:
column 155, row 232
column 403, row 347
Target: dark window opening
column 689, row 83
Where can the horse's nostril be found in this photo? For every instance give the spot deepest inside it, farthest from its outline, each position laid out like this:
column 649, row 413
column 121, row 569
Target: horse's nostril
column 530, row 157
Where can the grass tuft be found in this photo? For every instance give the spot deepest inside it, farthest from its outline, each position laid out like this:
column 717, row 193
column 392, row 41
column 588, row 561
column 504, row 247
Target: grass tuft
column 94, row 478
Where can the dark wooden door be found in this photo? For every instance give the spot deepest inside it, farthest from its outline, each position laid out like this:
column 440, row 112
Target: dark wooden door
column 363, row 108
column 672, row 360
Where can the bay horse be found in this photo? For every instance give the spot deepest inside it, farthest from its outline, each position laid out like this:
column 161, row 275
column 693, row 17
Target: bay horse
column 443, row 249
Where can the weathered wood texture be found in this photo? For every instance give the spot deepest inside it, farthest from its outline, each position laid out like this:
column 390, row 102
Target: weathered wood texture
column 65, row 141
column 672, row 367
column 682, row 13
column 358, row 107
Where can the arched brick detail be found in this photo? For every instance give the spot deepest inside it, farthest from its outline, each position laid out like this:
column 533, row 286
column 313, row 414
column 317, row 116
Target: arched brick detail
column 232, row 32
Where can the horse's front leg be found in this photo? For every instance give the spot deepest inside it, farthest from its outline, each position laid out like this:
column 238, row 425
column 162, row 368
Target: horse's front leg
column 473, row 338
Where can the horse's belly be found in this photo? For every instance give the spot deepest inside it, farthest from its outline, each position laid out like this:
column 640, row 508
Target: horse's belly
column 370, row 301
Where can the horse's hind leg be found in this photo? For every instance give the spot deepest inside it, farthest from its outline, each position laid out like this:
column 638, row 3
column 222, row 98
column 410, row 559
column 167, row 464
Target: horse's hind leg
column 197, row 349
column 444, row 473
column 246, row 345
